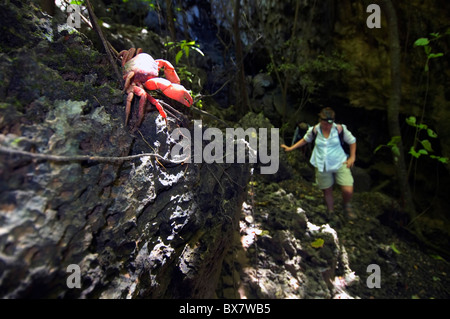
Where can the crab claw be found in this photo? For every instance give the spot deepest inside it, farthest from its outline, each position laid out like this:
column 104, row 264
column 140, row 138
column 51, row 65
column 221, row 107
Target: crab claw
column 174, row 91
column 169, row 70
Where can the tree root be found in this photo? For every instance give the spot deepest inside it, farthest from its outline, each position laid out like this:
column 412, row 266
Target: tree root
column 79, row 158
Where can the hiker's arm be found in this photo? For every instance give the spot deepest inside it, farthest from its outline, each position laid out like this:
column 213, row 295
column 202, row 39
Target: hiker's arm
column 300, row 143
column 351, row 159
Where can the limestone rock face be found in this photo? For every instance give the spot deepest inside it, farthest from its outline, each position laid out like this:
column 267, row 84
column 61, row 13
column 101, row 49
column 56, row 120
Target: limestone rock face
column 135, row 229
column 131, row 229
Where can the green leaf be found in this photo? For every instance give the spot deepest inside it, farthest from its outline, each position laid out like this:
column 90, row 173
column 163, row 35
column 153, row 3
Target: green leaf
column 395, row 249
column 435, row 55
column 422, row 126
column 427, row 145
column 178, row 56
column 318, row 243
column 437, row 257
column 423, row 152
column 421, row 42
column 378, row 148
column 413, row 152
column 395, row 151
column 411, row 121
column 443, row 160
column 431, row 133
column 394, row 142
column 265, row 233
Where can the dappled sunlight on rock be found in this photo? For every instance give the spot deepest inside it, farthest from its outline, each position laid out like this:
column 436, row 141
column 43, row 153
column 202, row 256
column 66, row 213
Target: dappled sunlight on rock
column 281, row 259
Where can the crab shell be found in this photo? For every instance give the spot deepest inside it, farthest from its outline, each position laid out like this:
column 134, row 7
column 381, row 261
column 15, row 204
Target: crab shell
column 143, row 66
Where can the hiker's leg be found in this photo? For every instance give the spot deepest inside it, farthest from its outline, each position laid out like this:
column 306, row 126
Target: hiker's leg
column 328, row 196
column 347, row 193
column 344, row 178
column 325, row 181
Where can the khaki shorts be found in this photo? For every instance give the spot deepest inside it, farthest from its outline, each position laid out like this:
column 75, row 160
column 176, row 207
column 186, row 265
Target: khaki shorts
column 343, row 176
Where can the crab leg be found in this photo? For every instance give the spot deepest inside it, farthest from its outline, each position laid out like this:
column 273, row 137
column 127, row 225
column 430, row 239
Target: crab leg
column 126, row 55
column 143, row 96
column 128, row 79
column 128, row 107
column 158, row 106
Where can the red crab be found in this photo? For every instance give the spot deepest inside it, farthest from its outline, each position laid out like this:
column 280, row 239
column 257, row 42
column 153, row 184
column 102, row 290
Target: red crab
column 141, row 72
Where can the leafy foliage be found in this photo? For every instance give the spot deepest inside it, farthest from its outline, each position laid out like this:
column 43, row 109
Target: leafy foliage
column 393, row 145
column 426, row 148
column 307, row 71
column 425, row 43
column 426, row 144
column 184, row 48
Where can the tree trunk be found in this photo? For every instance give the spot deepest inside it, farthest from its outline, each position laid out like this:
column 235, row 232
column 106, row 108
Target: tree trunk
column 393, row 110
column 245, row 103
column 170, row 20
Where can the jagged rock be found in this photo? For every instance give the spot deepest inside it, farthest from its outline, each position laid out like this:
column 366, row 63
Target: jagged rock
column 281, row 262
column 136, row 230
column 261, row 82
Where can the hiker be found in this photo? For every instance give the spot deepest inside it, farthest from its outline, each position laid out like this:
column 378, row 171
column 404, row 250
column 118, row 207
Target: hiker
column 329, row 158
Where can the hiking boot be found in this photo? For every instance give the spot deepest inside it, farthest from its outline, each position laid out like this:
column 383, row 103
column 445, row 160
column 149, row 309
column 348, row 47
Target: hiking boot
column 329, row 213
column 349, row 212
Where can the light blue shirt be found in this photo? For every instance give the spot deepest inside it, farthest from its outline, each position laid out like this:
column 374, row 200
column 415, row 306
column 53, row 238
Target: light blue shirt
column 328, row 155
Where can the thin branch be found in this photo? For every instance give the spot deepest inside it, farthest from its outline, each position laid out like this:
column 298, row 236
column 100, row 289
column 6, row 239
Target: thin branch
column 202, row 112
column 79, row 158
column 106, row 44
column 210, row 95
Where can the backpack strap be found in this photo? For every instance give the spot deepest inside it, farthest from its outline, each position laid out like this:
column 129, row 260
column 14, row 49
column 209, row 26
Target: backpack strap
column 341, row 133
column 314, row 131
column 339, row 127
